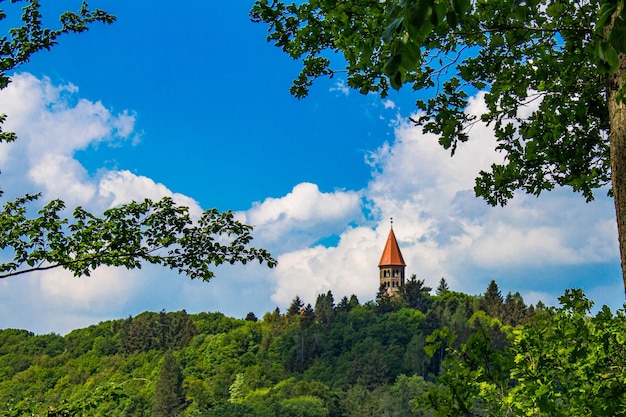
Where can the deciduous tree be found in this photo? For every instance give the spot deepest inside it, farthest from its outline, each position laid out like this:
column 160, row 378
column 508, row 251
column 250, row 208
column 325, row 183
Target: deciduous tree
column 562, row 363
column 128, row 235
column 553, row 70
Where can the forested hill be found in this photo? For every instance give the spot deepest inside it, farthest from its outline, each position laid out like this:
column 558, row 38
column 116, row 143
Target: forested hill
column 328, row 359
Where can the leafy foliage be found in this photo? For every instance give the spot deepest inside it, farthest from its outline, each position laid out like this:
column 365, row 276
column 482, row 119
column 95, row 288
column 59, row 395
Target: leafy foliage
column 110, row 393
column 150, row 331
column 550, row 53
column 22, row 42
column 168, row 398
column 153, row 232
column 553, row 72
column 353, row 361
column 415, row 294
column 562, row 363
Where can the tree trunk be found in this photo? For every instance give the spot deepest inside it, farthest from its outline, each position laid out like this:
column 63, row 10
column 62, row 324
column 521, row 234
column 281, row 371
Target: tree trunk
column 617, row 137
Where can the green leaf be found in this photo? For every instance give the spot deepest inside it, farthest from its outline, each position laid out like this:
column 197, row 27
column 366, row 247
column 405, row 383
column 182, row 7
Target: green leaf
column 461, row 6
column 439, row 13
column 451, row 19
column 419, row 16
column 392, row 65
column 612, row 58
column 396, row 81
column 604, row 15
column 555, row 9
column 617, row 38
column 497, row 40
column 410, row 55
column 392, row 29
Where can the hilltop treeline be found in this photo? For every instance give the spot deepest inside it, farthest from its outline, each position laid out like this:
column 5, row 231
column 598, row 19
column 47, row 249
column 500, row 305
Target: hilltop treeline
column 329, row 358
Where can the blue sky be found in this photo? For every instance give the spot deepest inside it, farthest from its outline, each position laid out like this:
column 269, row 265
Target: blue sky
column 191, row 102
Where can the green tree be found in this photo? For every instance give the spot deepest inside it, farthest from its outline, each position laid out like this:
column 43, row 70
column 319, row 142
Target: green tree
column 109, row 393
column 307, row 317
column 295, row 307
column 442, row 288
column 231, row 410
column 251, row 316
column 397, row 400
column 563, row 61
column 358, row 401
column 168, row 399
column 181, row 329
column 325, row 308
column 515, row 311
column 343, row 306
column 384, row 301
column 416, row 294
column 562, row 363
column 303, row 406
column 492, row 302
column 152, row 232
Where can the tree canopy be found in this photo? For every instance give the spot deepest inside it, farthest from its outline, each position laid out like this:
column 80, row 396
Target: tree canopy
column 563, row 363
column 362, row 362
column 553, row 72
column 128, row 235
column 559, row 361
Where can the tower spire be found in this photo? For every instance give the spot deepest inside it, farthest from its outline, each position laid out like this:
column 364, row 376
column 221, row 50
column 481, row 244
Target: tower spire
column 391, row 266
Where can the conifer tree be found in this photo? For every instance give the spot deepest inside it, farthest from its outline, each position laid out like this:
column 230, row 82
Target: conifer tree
column 295, row 307
column 343, row 305
column 354, row 301
column 325, row 308
column 492, row 301
column 514, row 309
column 308, row 317
column 443, row 286
column 182, row 329
column 346, row 304
column 168, row 399
column 416, row 294
column 383, row 300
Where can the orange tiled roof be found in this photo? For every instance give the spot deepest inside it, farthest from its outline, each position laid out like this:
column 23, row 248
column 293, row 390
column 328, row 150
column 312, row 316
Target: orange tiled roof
column 391, row 254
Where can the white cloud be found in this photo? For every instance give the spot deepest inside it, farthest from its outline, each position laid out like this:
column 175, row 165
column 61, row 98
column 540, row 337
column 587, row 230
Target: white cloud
column 532, row 297
column 345, row 269
column 52, row 123
column 106, row 289
column 442, row 228
column 341, row 87
column 388, row 104
column 302, row 217
column 445, row 231
column 118, row 187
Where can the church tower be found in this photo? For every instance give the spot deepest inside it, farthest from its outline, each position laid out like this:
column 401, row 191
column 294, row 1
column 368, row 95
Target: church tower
column 391, row 266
